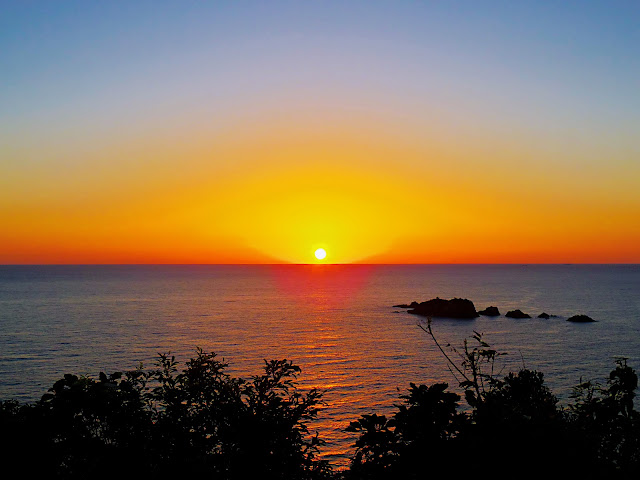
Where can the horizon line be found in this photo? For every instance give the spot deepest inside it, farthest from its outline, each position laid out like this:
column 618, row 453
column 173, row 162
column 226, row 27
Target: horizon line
column 304, row 264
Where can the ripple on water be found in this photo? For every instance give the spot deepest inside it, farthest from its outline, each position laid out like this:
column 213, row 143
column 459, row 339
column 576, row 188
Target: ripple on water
column 338, row 325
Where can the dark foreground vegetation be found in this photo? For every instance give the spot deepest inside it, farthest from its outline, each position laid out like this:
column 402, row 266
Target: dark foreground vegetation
column 202, row 421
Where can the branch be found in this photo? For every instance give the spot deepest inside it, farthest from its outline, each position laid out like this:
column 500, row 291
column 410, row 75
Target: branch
column 430, row 332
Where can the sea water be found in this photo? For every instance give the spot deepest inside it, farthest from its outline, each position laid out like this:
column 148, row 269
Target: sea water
column 336, row 322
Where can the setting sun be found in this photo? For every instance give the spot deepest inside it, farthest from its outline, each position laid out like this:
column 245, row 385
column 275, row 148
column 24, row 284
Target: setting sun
column 321, row 254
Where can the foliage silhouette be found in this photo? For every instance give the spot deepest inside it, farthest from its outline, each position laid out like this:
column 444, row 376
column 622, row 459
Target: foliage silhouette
column 511, row 426
column 605, row 423
column 427, row 423
column 202, row 421
column 197, row 421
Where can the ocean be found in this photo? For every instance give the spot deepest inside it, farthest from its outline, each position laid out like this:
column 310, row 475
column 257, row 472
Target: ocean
column 337, row 322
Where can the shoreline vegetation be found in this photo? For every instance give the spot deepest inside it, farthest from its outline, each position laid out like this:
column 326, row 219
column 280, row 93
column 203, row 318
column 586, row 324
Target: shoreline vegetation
column 201, row 420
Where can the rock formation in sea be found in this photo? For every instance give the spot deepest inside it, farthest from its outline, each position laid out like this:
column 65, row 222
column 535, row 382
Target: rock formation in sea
column 544, row 315
column 405, row 305
column 580, row 319
column 517, row 313
column 490, row 312
column 439, row 307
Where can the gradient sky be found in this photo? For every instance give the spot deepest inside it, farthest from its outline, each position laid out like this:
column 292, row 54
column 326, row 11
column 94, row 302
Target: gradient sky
column 384, row 132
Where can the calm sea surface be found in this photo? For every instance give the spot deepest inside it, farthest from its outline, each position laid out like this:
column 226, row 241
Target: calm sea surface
column 336, row 322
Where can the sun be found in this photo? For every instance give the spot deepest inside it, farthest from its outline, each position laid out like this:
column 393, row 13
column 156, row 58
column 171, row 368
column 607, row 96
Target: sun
column 320, row 254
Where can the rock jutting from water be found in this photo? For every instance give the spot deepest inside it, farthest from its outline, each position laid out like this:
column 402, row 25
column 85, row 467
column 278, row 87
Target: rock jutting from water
column 490, row 312
column 580, row 319
column 464, row 308
column 439, row 307
column 406, row 305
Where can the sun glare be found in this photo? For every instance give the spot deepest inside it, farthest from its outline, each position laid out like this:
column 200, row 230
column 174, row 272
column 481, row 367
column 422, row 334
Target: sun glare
column 320, row 254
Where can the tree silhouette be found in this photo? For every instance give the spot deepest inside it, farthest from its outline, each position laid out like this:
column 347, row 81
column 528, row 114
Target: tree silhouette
column 512, row 426
column 197, row 421
column 202, row 421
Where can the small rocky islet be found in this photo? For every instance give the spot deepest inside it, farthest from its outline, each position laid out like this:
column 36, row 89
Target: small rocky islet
column 465, row 309
column 490, row 312
column 439, row 307
column 580, row 319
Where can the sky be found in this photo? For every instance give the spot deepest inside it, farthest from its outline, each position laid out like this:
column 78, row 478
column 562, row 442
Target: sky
column 258, row 132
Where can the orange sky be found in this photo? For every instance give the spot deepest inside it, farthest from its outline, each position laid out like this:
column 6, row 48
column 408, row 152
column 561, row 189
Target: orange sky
column 363, row 191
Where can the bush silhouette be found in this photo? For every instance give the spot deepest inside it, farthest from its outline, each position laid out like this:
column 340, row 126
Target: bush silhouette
column 511, row 427
column 197, row 421
column 425, row 427
column 202, row 421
